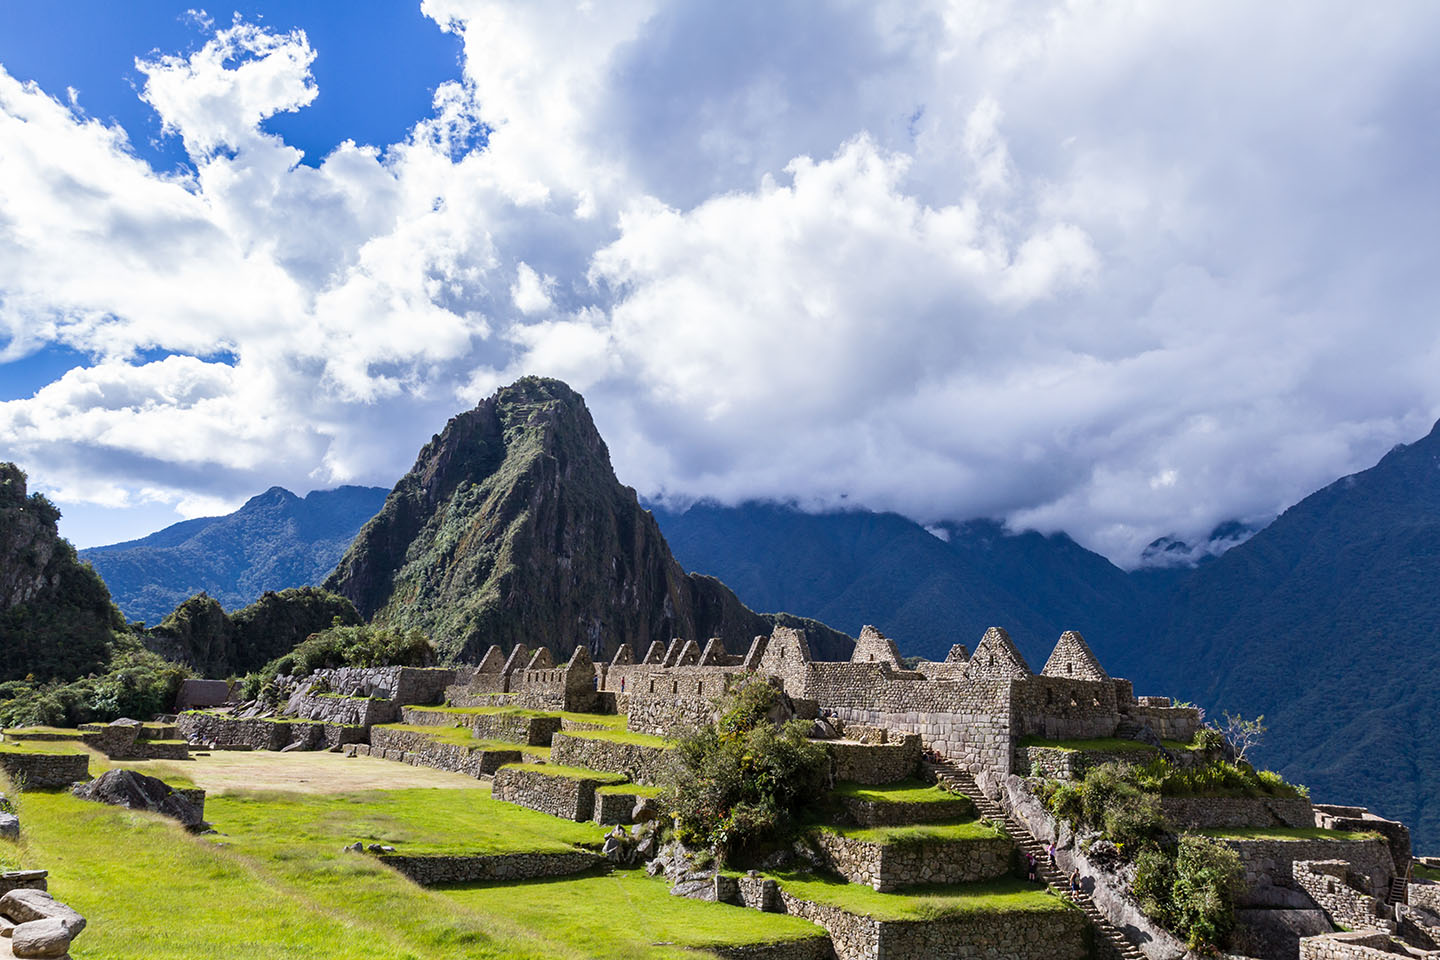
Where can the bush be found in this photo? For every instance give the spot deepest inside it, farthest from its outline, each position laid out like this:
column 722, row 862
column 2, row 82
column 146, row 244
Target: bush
column 1154, row 884
column 747, row 778
column 1208, row 878
column 137, row 684
column 1111, row 801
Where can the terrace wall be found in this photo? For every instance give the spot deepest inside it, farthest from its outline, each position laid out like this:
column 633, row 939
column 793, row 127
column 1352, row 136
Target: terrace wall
column 641, row 763
column 440, row 870
column 45, row 771
column 570, row 798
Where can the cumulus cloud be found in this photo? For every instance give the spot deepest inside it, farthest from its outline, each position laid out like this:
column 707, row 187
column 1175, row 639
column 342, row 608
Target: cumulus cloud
column 1125, row 271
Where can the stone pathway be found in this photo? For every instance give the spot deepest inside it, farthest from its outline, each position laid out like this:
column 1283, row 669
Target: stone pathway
column 958, row 779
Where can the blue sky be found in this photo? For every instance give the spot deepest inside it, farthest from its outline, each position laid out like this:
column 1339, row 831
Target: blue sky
column 1127, row 271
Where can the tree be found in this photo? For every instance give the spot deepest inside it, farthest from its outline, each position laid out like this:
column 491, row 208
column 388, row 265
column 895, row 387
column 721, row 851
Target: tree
column 1242, row 734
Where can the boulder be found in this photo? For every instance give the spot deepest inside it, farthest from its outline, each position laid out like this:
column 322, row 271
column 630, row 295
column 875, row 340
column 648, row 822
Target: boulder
column 135, row 791
column 645, row 810
column 41, row 938
column 9, row 826
column 25, row 905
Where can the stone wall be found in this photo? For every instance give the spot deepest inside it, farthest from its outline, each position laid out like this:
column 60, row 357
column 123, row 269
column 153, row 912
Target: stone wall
column 522, row 700
column 1169, row 723
column 888, row 867
column 659, row 715
column 639, row 762
column 441, row 870
column 877, row 813
column 1351, row 946
column 127, row 740
column 1271, row 861
column 336, row 708
column 257, row 733
column 614, row 808
column 1426, row 894
column 23, row 880
column 1061, row 935
column 419, row 750
column 1329, row 884
column 403, row 685
column 874, row 763
column 516, row 728
column 569, row 798
column 1197, row 813
column 45, row 771
column 1056, row 763
column 812, row 948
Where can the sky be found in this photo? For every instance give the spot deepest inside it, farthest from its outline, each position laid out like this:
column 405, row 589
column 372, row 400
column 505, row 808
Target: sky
column 1122, row 269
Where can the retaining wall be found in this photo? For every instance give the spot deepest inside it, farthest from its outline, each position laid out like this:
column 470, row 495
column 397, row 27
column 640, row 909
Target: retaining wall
column 569, row 798
column 639, row 762
column 45, row 771
column 437, row 871
column 261, row 734
column 875, row 813
column 888, row 867
column 1054, row 763
column 1197, row 813
column 419, row 750
column 874, row 763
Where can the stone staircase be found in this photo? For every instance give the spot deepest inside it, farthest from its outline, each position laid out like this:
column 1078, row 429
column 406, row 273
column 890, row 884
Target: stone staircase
column 958, row 779
column 1399, row 891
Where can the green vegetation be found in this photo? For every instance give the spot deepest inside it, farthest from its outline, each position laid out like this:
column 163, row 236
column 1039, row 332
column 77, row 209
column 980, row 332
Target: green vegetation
column 58, row 732
column 933, row 902
column 905, row 791
column 1112, row 800
column 136, row 683
column 574, row 773
column 634, row 789
column 42, row 747
column 340, row 645
column 1421, row 872
column 1191, row 889
column 1288, row 833
column 744, row 780
column 953, row 832
column 1107, row 744
column 627, row 914
column 464, row 737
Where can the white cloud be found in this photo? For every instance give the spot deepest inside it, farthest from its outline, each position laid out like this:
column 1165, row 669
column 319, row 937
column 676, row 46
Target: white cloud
column 1125, row 270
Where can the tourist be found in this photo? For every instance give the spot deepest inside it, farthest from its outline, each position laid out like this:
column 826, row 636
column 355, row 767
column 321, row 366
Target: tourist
column 1030, row 867
column 1050, row 852
column 1075, row 882
column 622, row 684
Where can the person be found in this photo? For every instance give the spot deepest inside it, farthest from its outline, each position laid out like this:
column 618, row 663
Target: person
column 1030, row 867
column 1050, row 852
column 1075, row 881
column 622, row 684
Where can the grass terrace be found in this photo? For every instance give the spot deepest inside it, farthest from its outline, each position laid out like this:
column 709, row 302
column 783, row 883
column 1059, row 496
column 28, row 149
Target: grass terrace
column 464, row 737
column 574, row 773
column 933, row 902
column 612, row 720
column 957, row 831
column 1421, row 872
column 45, row 747
column 904, row 791
column 633, row 789
column 628, row 914
column 58, row 733
column 1287, row 833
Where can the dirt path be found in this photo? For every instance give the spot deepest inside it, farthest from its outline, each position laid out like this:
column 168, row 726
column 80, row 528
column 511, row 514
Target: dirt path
column 299, row 772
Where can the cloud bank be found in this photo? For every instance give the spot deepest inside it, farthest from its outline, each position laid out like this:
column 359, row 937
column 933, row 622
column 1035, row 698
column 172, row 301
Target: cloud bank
column 1124, row 270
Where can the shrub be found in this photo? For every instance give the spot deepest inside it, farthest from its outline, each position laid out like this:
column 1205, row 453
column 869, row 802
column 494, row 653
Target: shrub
column 136, row 683
column 344, row 646
column 1154, row 884
column 1208, row 878
column 745, row 779
column 1208, row 738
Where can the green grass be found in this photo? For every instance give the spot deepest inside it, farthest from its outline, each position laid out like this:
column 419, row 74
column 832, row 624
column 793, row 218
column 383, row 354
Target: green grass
column 957, row 831
column 65, row 732
column 611, row 720
column 47, row 747
column 927, row 902
column 627, row 914
column 622, row 736
column 1422, row 872
column 906, row 791
column 574, row 773
column 1286, row 833
column 631, row 788
column 1107, row 744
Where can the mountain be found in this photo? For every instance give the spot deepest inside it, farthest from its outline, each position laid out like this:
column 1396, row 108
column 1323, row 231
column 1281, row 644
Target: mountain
column 511, row 527
column 1327, row 622
column 928, row 588
column 276, row 540
column 56, row 618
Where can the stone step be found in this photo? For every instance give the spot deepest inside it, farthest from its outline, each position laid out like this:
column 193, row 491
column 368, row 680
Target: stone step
column 956, row 778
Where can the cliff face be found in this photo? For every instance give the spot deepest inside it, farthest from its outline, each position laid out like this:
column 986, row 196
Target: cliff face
column 512, row 527
column 56, row 618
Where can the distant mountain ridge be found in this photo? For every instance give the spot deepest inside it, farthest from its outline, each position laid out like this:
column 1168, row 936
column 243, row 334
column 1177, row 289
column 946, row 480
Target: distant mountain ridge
column 276, row 540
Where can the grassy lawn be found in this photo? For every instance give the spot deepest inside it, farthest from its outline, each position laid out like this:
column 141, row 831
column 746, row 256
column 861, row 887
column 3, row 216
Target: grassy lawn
column 621, row 736
column 611, row 720
column 1422, row 872
column 65, row 732
column 1286, row 833
column 927, row 902
column 50, row 747
column 905, row 791
column 575, row 773
column 626, row 914
column 307, row 771
column 919, row 833
column 634, row 789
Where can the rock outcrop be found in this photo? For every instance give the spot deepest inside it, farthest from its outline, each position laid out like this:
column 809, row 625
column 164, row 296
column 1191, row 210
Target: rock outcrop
column 56, row 618
column 135, row 791
column 511, row 527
